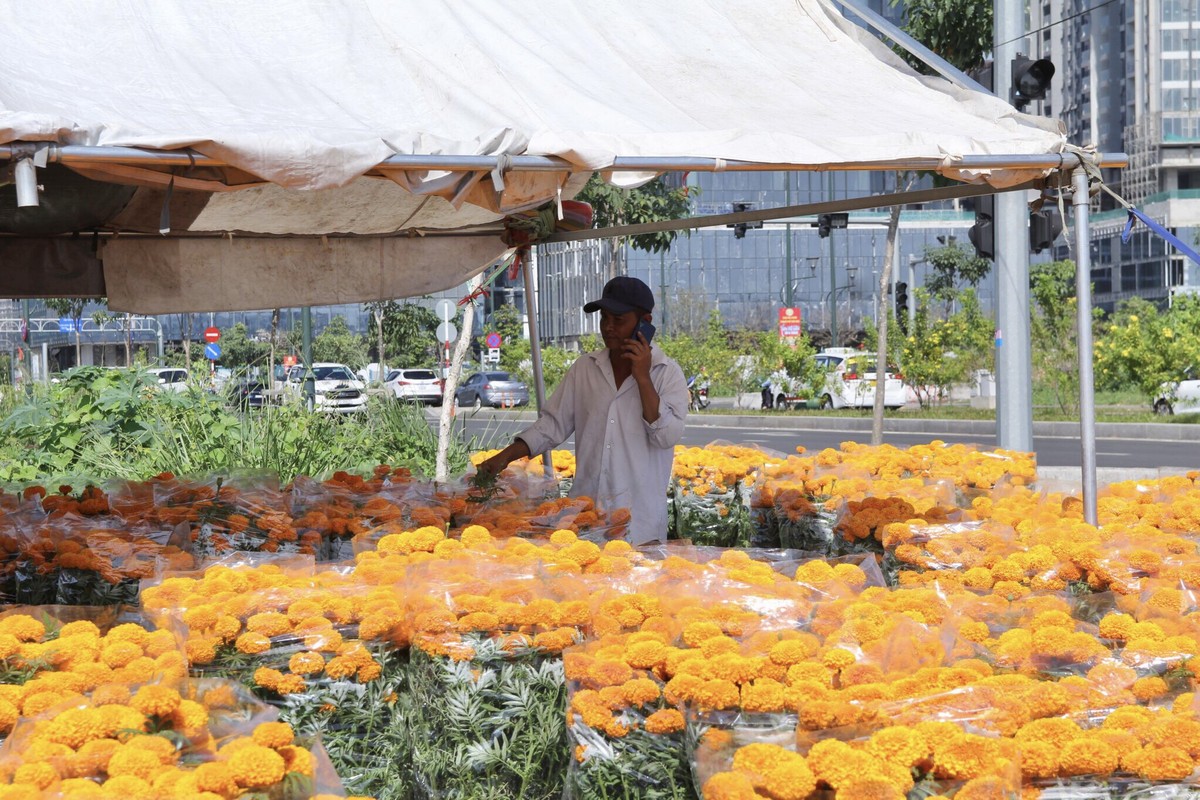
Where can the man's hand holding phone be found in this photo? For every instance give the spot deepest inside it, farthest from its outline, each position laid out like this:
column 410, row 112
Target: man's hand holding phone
column 637, row 350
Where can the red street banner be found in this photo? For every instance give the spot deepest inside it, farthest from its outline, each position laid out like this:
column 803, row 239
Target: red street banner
column 789, row 323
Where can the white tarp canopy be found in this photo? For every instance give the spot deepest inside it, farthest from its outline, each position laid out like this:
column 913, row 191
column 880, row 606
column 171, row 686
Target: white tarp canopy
column 300, row 106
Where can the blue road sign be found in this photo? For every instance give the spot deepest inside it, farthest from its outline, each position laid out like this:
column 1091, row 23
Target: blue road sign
column 212, row 351
column 68, row 325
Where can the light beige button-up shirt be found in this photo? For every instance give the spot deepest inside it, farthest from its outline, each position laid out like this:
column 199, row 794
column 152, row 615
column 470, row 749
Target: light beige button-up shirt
column 621, row 461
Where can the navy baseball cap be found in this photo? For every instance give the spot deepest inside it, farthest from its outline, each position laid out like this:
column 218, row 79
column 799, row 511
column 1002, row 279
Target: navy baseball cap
column 623, row 294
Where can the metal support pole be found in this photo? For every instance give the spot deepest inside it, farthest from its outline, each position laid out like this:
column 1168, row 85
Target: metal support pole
column 1014, row 356
column 787, row 249
column 833, row 326
column 535, row 350
column 1083, row 301
column 310, row 382
column 662, row 286
column 27, row 366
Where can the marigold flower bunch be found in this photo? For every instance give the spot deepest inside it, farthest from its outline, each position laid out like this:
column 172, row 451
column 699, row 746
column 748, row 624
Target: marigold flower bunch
column 156, row 741
column 289, row 630
column 562, row 460
column 888, row 763
column 716, row 468
column 44, row 662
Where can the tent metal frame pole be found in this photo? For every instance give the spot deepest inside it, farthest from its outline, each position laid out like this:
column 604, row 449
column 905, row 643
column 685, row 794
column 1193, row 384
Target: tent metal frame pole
column 136, row 156
column 1083, row 310
column 931, row 59
column 535, row 351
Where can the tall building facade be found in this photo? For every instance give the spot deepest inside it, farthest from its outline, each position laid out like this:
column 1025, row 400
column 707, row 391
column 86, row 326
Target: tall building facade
column 747, row 280
column 1128, row 79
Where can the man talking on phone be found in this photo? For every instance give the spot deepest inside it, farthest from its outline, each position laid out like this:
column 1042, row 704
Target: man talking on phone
column 626, row 405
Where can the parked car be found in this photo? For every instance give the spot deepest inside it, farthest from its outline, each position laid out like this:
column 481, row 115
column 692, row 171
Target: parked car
column 419, row 385
column 850, row 381
column 492, row 389
column 172, row 379
column 337, row 389
column 1182, row 397
column 248, row 394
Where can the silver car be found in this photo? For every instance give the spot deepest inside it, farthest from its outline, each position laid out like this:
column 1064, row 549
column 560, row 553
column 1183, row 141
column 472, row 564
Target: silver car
column 418, row 385
column 497, row 389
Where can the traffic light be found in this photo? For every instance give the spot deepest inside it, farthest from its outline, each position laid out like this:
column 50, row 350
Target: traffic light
column 823, row 225
column 902, row 306
column 827, row 222
column 739, row 228
column 1030, row 80
column 1044, row 228
column 983, row 232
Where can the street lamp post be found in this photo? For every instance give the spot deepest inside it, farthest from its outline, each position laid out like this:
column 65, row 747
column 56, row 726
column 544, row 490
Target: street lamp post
column 788, row 293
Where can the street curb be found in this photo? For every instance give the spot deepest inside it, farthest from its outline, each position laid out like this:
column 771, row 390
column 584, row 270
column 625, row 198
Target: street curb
column 1148, row 431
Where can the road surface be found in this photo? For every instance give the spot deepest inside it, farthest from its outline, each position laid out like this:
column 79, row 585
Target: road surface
column 1051, row 451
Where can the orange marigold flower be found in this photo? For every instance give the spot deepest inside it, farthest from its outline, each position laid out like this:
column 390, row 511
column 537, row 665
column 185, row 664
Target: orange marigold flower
column 274, row 734
column 639, row 692
column 871, row 787
column 252, row 643
column 305, row 663
column 1160, row 764
column 156, row 701
column 664, row 721
column 1087, row 757
column 257, row 766
column 133, row 761
column 791, row 780
column 729, row 786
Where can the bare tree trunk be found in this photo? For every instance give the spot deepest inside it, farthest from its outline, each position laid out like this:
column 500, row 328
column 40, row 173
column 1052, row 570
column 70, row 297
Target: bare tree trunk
column 128, row 340
column 186, row 331
column 271, row 358
column 78, row 342
column 379, row 327
column 460, row 353
column 881, row 356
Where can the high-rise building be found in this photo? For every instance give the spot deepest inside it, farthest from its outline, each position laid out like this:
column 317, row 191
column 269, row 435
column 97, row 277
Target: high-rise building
column 1128, row 79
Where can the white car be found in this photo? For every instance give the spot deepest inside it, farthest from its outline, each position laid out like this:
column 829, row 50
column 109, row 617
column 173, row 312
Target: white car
column 1182, row 397
column 418, row 385
column 172, row 379
column 849, row 383
column 851, row 380
column 337, row 389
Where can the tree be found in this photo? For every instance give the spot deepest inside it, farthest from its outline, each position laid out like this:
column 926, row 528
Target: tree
column 1054, row 331
column 409, row 335
column 239, row 350
column 651, row 202
column 1148, row 348
column 959, row 31
column 339, row 344
column 940, row 352
column 953, row 266
column 71, row 308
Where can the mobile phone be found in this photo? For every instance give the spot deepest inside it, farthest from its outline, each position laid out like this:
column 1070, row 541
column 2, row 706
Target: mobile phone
column 646, row 330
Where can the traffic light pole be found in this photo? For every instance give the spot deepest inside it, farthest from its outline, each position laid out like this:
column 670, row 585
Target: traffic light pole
column 1083, row 300
column 1014, row 384
column 833, row 326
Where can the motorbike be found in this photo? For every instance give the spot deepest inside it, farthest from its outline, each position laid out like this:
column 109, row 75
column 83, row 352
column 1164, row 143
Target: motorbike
column 699, row 394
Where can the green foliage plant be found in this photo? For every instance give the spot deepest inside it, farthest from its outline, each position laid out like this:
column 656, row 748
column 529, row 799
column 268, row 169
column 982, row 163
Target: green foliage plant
column 1148, row 348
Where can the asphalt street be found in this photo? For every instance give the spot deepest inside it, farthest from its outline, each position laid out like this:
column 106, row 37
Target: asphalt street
column 497, row 429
